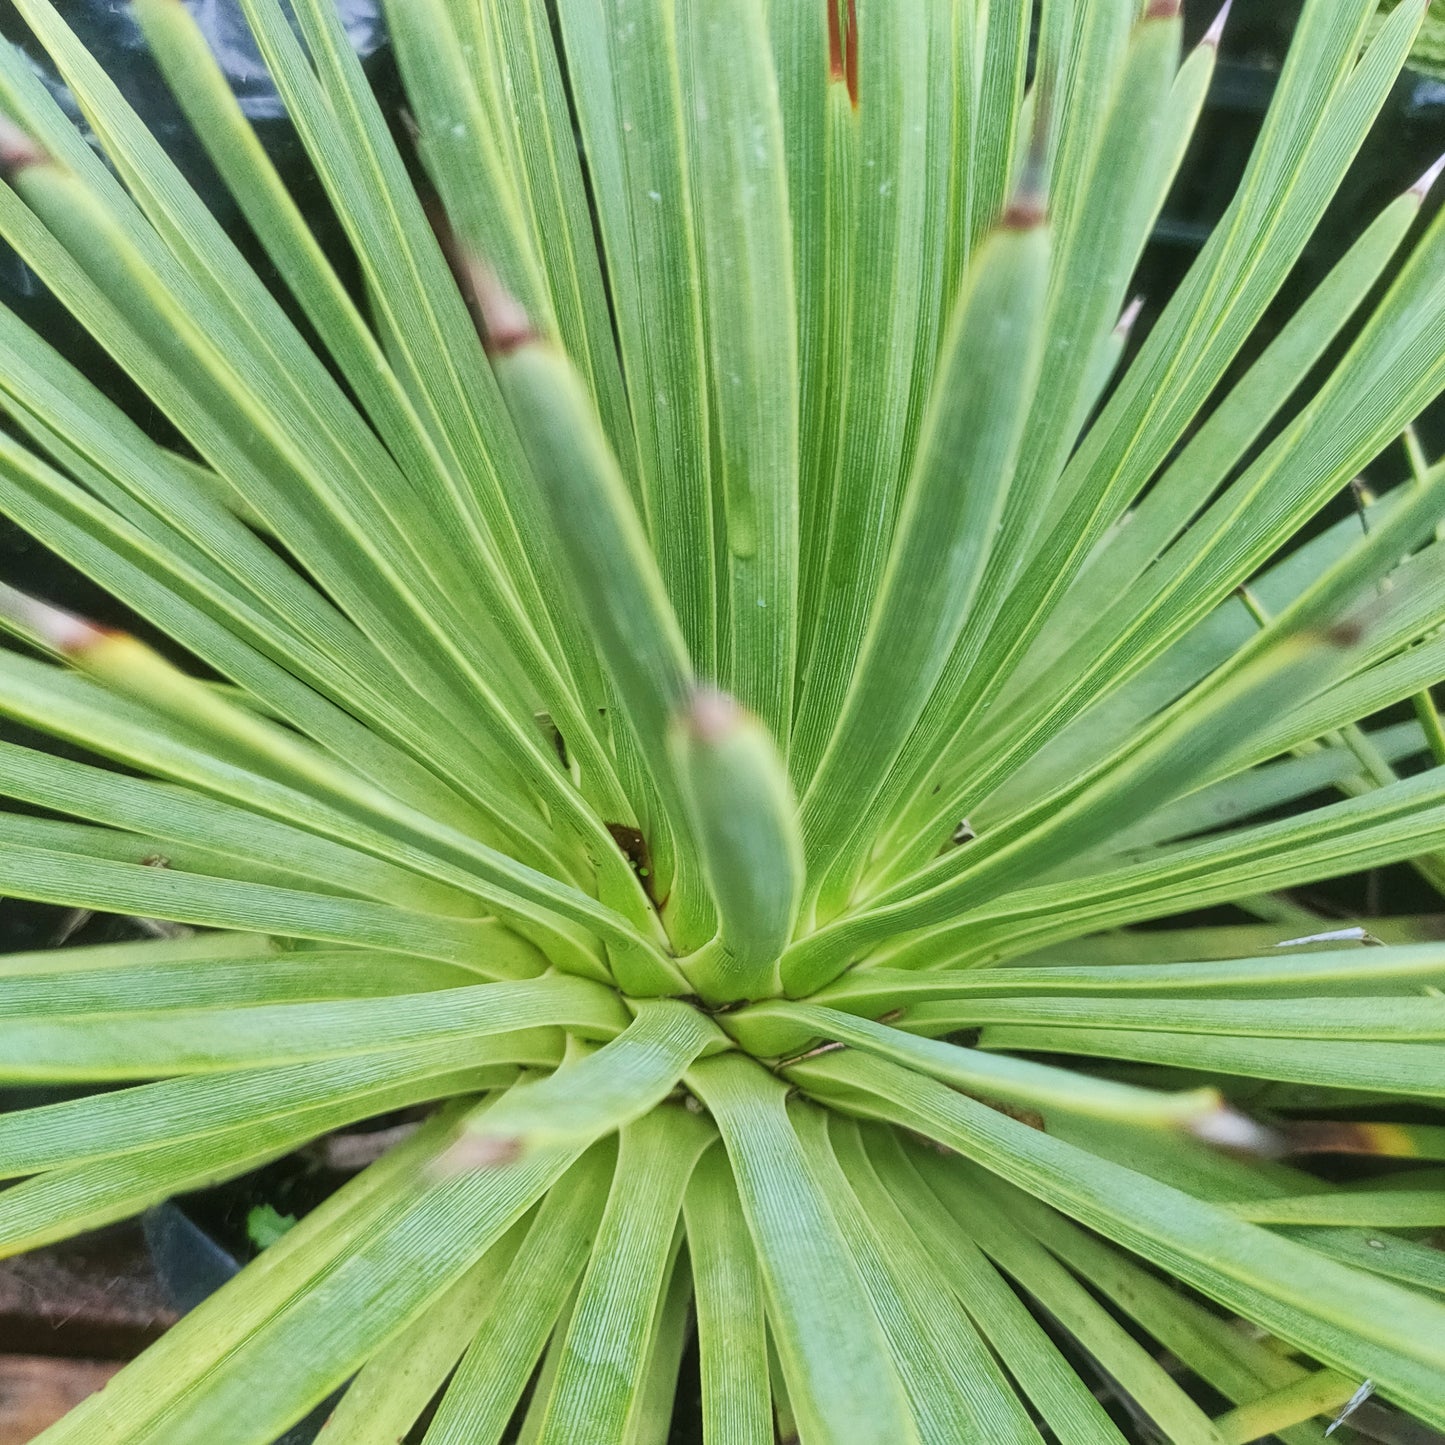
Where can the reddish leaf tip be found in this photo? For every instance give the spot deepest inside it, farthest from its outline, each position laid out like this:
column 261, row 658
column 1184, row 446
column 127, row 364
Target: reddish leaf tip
column 17, row 151
column 1162, row 10
column 843, row 47
column 1348, row 632
column 712, row 715
column 1026, row 211
column 502, row 320
column 63, row 631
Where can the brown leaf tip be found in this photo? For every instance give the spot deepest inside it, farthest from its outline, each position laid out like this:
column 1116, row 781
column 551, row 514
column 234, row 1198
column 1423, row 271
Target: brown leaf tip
column 1162, row 10
column 1329, row 1136
column 1024, row 212
column 835, row 41
column 843, row 46
column 1028, row 206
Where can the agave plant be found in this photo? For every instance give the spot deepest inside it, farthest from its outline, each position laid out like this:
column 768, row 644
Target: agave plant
column 687, row 664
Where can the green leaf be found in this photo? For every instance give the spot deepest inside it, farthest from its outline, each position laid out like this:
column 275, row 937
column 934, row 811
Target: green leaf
column 886, row 210
column 963, row 1222
column 181, row 1041
column 954, row 1385
column 894, row 1189
column 1353, row 971
column 1402, row 1208
column 173, row 1111
column 1016, row 1081
column 1385, row 825
column 297, row 977
column 383, row 1402
column 626, row 85
column 1238, row 1365
column 728, row 111
column 70, row 1200
column 1409, row 1069
column 972, row 429
column 1318, row 117
column 604, row 551
column 1344, row 1317
column 483, row 1394
column 404, row 1262
column 1322, row 1393
column 530, row 219
column 615, row 1086
column 1356, row 1019
column 746, row 830
column 835, row 1360
column 728, row 1289
column 1418, row 1265
column 600, row 1374
column 651, row 1418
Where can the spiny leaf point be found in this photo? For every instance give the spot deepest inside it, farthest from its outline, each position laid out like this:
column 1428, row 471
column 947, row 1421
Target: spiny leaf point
column 1215, row 33
column 1128, row 316
column 1225, row 1128
column 1421, row 188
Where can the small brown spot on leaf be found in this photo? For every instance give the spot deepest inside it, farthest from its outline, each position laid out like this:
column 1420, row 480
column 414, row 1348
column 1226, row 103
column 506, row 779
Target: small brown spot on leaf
column 1346, row 633
column 1329, row 1136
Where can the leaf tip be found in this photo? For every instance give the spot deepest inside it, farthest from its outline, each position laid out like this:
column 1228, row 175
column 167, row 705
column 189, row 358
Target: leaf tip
column 1215, row 33
column 18, row 151
column 711, row 716
column 843, row 47
column 1027, row 206
column 478, row 1151
column 64, row 631
column 1162, row 10
column 1225, row 1128
column 1345, row 1136
column 1421, row 188
column 502, row 320
column 1128, row 317
column 1347, row 632
column 1024, row 213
